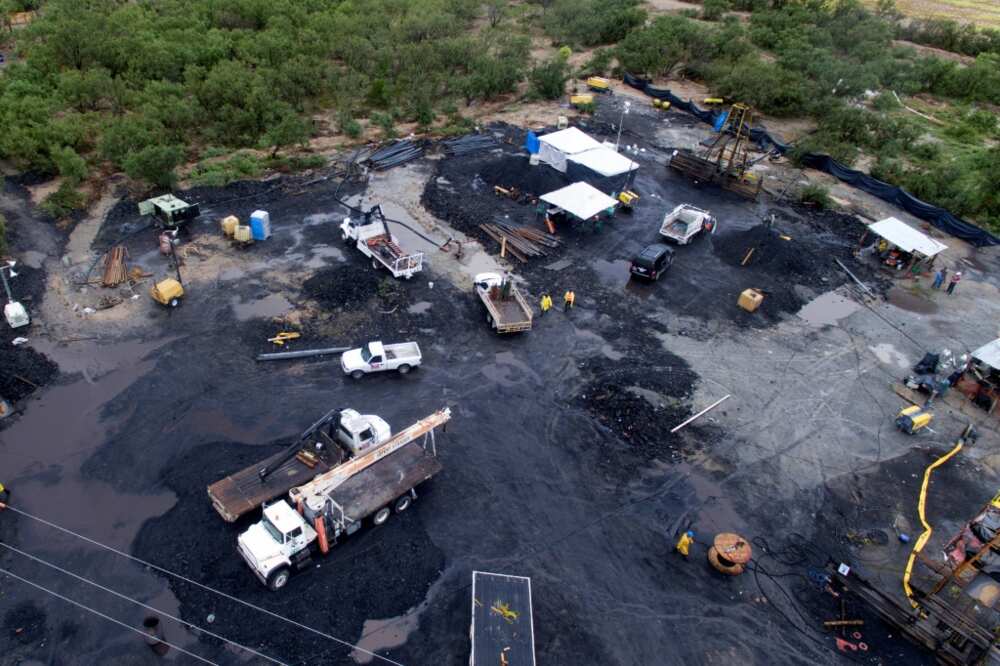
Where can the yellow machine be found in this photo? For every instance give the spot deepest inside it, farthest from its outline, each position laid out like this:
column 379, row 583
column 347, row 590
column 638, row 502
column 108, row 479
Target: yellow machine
column 167, row 292
column 913, row 419
column 713, row 100
column 599, row 84
column 628, row 199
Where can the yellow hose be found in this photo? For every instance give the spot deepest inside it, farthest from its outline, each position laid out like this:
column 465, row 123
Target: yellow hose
column 922, row 541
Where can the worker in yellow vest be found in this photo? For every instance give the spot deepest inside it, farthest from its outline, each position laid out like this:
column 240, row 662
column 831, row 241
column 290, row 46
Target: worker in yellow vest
column 546, row 304
column 684, row 543
column 569, row 299
column 4, row 496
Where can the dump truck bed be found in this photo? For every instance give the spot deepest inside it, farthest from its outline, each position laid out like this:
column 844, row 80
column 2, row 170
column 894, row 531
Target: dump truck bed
column 243, row 491
column 508, row 315
column 378, row 485
column 501, row 620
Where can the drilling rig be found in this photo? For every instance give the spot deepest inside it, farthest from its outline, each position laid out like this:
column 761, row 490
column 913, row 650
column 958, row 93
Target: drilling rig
column 726, row 161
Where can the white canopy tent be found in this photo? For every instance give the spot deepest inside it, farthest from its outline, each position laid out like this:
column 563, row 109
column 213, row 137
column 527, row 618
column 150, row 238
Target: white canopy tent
column 580, row 200
column 989, row 354
column 906, row 238
column 605, row 161
column 555, row 148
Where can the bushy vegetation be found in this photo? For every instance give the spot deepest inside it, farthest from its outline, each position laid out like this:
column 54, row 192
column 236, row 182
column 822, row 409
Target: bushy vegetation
column 592, row 22
column 963, row 38
column 143, row 85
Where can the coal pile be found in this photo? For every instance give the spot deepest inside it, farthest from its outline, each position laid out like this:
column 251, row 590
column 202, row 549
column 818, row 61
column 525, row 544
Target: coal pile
column 376, row 573
column 640, row 405
column 771, row 253
column 348, row 285
column 23, row 371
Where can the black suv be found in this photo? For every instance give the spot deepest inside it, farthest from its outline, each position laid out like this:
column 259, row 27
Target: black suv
column 652, row 262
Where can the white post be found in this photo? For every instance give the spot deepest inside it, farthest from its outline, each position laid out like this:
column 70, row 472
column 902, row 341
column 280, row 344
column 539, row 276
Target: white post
column 621, row 121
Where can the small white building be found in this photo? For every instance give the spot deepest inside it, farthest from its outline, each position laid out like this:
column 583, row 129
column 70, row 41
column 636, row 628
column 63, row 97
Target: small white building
column 572, row 145
column 580, row 200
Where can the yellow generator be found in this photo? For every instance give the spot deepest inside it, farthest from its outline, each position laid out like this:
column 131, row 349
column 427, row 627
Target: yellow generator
column 167, row 292
column 581, row 100
column 913, row 419
column 599, row 84
column 628, row 199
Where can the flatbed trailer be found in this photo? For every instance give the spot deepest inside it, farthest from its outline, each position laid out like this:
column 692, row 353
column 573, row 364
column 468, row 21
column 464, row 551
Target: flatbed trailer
column 502, row 629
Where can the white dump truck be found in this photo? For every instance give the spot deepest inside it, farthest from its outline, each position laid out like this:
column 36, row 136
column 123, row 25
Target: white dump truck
column 685, row 222
column 337, row 502
column 369, row 232
column 341, row 435
column 506, row 309
column 377, row 357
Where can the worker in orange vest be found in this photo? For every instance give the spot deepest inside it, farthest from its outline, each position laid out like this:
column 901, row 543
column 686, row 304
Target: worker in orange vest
column 569, row 299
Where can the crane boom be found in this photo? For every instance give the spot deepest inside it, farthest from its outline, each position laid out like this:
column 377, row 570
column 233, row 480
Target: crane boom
column 325, row 483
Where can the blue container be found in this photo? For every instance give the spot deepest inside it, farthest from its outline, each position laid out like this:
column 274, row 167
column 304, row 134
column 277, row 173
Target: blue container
column 260, row 225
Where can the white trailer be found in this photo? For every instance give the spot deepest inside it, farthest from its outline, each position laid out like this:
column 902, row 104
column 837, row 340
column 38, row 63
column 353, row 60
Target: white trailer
column 337, row 502
column 685, row 222
column 377, row 357
column 374, row 240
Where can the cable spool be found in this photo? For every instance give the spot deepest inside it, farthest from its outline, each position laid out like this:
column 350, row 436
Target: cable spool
column 729, row 554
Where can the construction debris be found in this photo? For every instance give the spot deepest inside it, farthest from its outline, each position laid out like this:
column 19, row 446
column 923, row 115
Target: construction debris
column 522, row 243
column 115, row 271
column 284, row 336
column 305, row 353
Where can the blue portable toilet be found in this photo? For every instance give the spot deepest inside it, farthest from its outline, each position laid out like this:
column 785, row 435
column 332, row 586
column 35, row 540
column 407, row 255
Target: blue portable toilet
column 260, row 225
column 531, row 143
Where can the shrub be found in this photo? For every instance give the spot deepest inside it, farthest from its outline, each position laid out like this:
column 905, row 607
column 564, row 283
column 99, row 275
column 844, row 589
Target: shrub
column 592, row 22
column 816, row 195
column 599, row 63
column 712, row 10
column 154, row 164
column 386, row 123
column 63, row 201
column 348, row 125
column 71, row 166
column 240, row 166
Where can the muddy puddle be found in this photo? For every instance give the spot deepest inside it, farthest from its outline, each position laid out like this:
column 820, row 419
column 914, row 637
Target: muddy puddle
column 828, row 309
column 273, row 305
column 419, row 308
column 614, row 274
column 911, row 302
column 384, row 635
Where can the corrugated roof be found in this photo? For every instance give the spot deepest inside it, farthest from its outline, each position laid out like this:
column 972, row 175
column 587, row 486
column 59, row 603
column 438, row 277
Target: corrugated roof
column 906, row 238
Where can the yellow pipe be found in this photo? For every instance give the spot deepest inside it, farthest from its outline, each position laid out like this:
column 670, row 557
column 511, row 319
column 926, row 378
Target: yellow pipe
column 928, row 530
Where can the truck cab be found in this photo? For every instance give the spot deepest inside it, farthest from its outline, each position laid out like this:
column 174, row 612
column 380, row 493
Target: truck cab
column 361, row 432
column 276, row 544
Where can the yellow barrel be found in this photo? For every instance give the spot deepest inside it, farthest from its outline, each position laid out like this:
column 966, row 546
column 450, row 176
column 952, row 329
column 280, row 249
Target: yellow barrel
column 242, row 233
column 750, row 300
column 656, row 102
column 229, row 225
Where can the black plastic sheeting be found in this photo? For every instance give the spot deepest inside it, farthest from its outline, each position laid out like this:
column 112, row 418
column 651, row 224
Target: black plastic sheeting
column 939, row 217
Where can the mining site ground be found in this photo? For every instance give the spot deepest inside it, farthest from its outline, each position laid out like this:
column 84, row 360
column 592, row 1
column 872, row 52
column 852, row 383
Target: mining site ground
column 558, row 464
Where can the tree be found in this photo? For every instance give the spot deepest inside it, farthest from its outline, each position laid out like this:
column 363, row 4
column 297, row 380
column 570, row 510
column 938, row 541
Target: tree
column 154, row 164
column 548, row 79
column 288, row 130
column 712, row 10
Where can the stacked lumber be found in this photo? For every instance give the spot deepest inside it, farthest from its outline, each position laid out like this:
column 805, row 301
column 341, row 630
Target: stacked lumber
column 523, row 243
column 115, row 271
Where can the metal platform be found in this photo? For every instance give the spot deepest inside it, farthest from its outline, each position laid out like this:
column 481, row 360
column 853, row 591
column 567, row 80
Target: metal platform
column 502, row 630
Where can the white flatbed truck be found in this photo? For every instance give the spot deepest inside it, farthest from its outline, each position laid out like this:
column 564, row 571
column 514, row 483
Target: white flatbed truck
column 337, row 502
column 342, row 434
column 506, row 309
column 377, row 357
column 684, row 222
column 373, row 239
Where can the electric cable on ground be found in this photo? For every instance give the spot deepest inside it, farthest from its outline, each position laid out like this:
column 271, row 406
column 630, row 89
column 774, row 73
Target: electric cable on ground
column 106, row 617
column 178, row 576
column 138, row 603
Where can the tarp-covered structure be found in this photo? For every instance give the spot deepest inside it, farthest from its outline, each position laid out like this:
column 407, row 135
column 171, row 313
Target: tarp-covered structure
column 989, row 354
column 605, row 160
column 556, row 148
column 580, row 200
column 939, row 217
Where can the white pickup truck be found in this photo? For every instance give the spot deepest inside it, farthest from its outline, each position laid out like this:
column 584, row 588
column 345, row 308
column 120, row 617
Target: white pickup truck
column 685, row 222
column 376, row 357
column 373, row 239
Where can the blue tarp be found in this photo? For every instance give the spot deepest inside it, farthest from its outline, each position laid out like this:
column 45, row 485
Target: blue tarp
column 531, row 143
column 939, row 217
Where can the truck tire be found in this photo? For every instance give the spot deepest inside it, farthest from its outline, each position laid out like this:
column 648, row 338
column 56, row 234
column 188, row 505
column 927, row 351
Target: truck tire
column 403, row 503
column 376, row 265
column 381, row 516
column 357, row 374
column 403, row 369
column 278, row 578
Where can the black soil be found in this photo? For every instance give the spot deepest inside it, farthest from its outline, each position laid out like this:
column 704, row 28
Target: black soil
column 376, row 573
column 25, row 623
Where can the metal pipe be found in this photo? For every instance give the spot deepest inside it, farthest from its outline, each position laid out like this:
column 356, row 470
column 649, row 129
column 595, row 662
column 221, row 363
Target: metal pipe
column 704, row 411
column 305, row 353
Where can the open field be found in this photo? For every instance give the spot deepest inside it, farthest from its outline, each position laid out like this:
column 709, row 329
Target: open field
column 984, row 13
